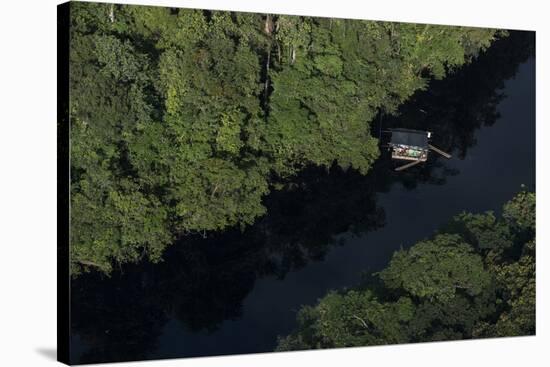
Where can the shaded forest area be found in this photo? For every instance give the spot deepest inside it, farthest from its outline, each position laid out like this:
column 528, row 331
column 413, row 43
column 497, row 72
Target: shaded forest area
column 123, row 315
column 473, row 279
column 182, row 121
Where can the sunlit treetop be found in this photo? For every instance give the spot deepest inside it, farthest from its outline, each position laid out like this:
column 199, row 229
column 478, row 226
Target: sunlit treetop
column 180, row 118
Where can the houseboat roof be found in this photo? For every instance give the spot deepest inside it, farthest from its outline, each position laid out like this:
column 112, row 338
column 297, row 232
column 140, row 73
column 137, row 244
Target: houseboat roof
column 409, row 137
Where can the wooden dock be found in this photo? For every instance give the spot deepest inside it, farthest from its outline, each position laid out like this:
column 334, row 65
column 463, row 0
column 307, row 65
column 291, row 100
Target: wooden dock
column 437, row 150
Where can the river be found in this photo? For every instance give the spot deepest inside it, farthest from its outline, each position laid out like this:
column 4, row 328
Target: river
column 235, row 292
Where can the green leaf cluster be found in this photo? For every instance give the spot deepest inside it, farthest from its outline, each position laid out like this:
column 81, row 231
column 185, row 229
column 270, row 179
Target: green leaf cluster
column 181, row 118
column 444, row 288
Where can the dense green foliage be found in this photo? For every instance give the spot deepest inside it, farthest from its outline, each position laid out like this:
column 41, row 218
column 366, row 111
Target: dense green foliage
column 203, row 283
column 181, row 118
column 476, row 278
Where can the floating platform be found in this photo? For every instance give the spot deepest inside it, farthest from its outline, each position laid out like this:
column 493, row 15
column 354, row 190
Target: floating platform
column 411, row 145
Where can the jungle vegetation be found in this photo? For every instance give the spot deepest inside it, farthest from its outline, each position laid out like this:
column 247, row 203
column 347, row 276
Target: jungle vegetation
column 203, row 282
column 183, row 120
column 475, row 278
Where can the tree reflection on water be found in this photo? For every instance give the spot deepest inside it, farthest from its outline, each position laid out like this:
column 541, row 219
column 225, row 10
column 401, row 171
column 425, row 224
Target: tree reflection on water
column 203, row 280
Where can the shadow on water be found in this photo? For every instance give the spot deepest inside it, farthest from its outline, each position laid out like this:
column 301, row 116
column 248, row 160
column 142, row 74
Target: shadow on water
column 203, row 282
column 456, row 107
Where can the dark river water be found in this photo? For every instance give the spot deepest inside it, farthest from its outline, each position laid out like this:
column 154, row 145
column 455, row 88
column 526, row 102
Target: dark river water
column 235, row 292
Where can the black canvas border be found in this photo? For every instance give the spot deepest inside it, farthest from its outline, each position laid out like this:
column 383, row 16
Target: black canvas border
column 63, row 184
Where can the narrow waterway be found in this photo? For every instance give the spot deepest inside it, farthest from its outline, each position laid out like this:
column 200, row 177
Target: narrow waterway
column 235, row 292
